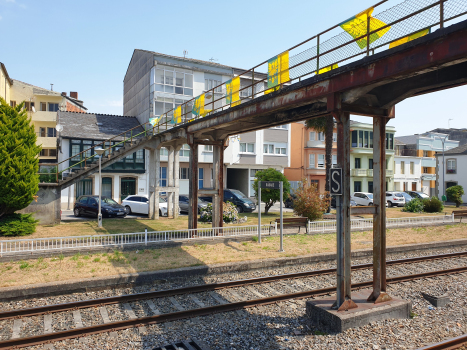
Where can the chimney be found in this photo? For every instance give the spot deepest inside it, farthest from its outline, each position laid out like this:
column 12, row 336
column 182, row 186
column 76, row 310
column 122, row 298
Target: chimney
column 74, row 94
column 63, row 93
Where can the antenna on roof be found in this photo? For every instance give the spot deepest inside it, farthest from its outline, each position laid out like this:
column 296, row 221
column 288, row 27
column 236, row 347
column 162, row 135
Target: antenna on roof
column 185, row 52
column 212, row 59
column 51, row 87
column 449, row 123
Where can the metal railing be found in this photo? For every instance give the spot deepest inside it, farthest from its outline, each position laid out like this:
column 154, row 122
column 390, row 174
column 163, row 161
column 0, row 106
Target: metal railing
column 310, row 57
column 58, row 244
column 358, row 224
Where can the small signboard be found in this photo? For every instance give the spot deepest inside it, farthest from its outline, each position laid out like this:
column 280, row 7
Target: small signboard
column 335, row 177
column 273, row 185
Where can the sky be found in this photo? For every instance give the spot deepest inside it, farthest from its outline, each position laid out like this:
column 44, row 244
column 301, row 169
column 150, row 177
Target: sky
column 86, row 46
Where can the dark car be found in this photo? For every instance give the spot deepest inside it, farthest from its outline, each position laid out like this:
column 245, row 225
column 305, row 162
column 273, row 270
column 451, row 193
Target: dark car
column 242, row 202
column 184, row 203
column 419, row 195
column 88, row 206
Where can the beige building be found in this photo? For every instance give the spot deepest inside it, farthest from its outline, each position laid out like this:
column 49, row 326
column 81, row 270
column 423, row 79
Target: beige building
column 5, row 83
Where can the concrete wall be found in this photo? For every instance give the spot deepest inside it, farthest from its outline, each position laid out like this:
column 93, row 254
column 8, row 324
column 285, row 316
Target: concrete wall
column 47, row 208
column 136, row 86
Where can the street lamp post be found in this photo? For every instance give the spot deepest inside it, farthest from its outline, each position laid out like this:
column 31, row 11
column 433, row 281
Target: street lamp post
column 99, row 152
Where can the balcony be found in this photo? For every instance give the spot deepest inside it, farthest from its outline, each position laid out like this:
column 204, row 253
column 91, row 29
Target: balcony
column 42, row 116
column 358, row 172
column 318, row 144
column 47, row 142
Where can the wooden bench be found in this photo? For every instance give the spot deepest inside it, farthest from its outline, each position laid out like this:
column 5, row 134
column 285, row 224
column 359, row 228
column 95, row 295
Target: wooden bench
column 292, row 222
column 459, row 214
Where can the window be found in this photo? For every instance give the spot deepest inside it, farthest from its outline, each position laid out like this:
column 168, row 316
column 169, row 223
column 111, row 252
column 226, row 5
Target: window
column 412, row 168
column 207, row 148
column 414, row 186
column 41, row 132
column 53, row 107
column 425, row 153
column 185, row 151
column 268, row 149
column 48, row 152
column 43, row 106
column 184, row 173
column 451, row 166
column 321, row 136
column 365, row 140
column 311, row 163
column 334, row 137
column 166, row 79
column 281, row 127
column 320, row 160
column 358, row 163
column 371, row 139
column 247, row 147
column 210, row 83
column 107, row 187
column 312, row 135
column 334, row 160
column 139, row 156
column 13, row 103
column 370, row 186
column 389, row 141
column 28, row 106
column 51, row 132
column 357, row 186
column 354, row 138
column 164, row 151
column 253, row 172
column 163, row 176
column 425, row 170
column 402, row 167
column 200, row 178
column 370, row 163
column 281, row 151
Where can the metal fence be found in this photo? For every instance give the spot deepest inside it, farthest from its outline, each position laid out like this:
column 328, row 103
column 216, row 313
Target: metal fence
column 123, row 239
column 357, row 224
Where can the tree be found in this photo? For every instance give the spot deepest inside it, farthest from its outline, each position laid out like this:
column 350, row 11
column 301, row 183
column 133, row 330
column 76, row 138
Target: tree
column 268, row 196
column 19, row 164
column 309, row 202
column 325, row 125
column 455, row 193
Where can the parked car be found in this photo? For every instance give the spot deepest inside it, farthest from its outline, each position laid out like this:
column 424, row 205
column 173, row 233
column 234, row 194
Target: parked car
column 363, row 198
column 140, row 205
column 419, row 195
column 407, row 196
column 395, row 199
column 89, row 206
column 242, row 202
column 184, row 203
column 334, row 205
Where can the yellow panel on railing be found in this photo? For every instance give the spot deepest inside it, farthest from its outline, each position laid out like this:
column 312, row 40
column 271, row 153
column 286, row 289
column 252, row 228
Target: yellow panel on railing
column 278, row 71
column 410, row 38
column 232, row 94
column 357, row 26
column 328, row 68
column 177, row 117
column 154, row 121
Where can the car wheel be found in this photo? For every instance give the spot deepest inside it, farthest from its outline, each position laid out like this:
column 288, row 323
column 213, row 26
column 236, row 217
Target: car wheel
column 160, row 212
column 76, row 212
column 389, row 204
column 371, row 203
column 239, row 209
column 127, row 209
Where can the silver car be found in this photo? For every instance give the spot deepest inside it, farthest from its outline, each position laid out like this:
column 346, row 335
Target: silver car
column 140, row 205
column 395, row 199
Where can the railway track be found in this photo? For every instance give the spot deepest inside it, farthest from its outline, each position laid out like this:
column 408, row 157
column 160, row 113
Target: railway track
column 449, row 344
column 200, row 300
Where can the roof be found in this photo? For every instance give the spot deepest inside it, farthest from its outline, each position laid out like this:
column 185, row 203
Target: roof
column 79, row 103
column 38, row 90
column 398, row 142
column 6, row 73
column 85, row 125
column 408, row 140
column 458, row 150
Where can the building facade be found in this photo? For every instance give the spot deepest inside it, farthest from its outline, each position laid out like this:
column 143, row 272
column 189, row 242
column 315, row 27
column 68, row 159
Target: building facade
column 5, row 83
column 407, row 169
column 308, row 156
column 156, row 83
column 424, row 146
column 452, row 171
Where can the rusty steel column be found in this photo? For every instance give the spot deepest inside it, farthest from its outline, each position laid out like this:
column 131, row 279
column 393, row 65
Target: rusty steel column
column 152, row 182
column 193, row 186
column 157, row 156
column 218, row 178
column 176, row 180
column 379, row 219
column 344, row 297
column 170, row 180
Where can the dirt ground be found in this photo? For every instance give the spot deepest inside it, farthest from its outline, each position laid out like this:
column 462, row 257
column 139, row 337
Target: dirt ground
column 60, row 268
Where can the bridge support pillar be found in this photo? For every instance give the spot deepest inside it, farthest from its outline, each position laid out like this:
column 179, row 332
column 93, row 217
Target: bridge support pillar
column 176, row 180
column 193, row 184
column 157, row 157
column 170, row 180
column 379, row 294
column 343, row 298
column 218, row 178
column 152, row 181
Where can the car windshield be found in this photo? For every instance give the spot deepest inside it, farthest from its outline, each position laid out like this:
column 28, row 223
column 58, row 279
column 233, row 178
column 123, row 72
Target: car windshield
column 238, row 194
column 423, row 195
column 398, row 194
column 370, row 195
column 108, row 201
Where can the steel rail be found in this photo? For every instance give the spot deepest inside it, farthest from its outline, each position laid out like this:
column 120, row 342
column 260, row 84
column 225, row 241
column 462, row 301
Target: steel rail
column 453, row 343
column 120, row 325
column 201, row 288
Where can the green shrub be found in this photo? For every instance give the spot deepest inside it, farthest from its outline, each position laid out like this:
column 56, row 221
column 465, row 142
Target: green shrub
column 433, row 205
column 17, row 225
column 455, row 193
column 414, row 206
column 230, row 213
